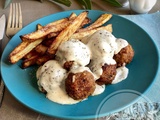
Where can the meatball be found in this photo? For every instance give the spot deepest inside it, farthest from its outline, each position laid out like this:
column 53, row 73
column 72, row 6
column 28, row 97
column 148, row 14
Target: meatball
column 73, row 50
column 108, row 74
column 68, row 65
column 125, row 56
column 80, row 85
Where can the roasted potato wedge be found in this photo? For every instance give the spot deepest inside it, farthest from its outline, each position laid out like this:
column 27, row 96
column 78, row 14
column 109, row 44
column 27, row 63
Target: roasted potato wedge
column 81, row 35
column 41, row 60
column 65, row 34
column 30, row 61
column 22, row 49
column 30, row 54
column 44, row 31
column 41, row 49
column 99, row 22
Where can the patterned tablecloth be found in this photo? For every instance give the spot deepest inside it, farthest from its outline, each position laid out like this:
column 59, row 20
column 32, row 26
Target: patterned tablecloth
column 144, row 109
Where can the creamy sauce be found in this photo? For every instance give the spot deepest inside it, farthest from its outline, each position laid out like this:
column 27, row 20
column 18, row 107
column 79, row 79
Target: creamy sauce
column 51, row 78
column 60, row 96
column 79, row 69
column 99, row 89
column 73, row 50
column 121, row 43
column 98, row 50
column 96, row 65
column 50, row 75
column 122, row 73
column 103, row 46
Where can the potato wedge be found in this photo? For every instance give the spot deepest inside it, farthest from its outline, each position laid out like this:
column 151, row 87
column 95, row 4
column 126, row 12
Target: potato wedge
column 30, row 61
column 48, row 42
column 41, row 49
column 30, row 54
column 54, row 28
column 42, row 59
column 72, row 16
column 81, row 35
column 67, row 32
column 39, row 26
column 49, row 28
column 22, row 49
column 52, row 35
column 99, row 22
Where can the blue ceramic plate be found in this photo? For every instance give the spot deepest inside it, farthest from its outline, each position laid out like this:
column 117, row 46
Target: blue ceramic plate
column 142, row 72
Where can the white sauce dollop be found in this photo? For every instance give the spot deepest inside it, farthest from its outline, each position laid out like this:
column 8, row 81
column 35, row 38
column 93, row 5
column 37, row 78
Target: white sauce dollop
column 99, row 89
column 73, row 50
column 120, row 43
column 122, row 73
column 103, row 46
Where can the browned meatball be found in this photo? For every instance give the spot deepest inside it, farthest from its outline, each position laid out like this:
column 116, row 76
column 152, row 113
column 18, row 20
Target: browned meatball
column 80, row 85
column 125, row 56
column 68, row 65
column 108, row 75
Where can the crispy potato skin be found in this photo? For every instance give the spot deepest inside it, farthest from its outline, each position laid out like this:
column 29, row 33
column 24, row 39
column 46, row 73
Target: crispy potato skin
column 80, row 85
column 67, row 32
column 125, row 56
column 108, row 75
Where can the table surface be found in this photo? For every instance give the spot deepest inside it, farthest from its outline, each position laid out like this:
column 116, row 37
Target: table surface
column 11, row 108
